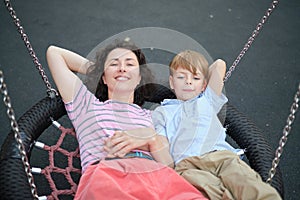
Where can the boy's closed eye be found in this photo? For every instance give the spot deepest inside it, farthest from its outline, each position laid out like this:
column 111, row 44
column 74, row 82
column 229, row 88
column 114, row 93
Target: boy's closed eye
column 180, row 77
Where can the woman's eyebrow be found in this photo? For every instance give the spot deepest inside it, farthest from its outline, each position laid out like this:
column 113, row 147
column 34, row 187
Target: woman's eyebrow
column 113, row 59
column 129, row 58
column 117, row 59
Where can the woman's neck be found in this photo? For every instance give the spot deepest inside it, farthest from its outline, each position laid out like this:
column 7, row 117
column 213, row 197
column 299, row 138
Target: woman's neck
column 126, row 98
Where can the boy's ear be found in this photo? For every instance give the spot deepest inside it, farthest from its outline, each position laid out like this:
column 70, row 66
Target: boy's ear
column 171, row 82
column 204, row 85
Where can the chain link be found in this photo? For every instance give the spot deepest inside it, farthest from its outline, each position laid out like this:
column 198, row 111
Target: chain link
column 50, row 91
column 251, row 39
column 286, row 132
column 15, row 128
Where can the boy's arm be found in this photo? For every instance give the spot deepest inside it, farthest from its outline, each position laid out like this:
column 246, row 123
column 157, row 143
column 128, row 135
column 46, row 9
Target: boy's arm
column 160, row 151
column 159, row 122
column 216, row 75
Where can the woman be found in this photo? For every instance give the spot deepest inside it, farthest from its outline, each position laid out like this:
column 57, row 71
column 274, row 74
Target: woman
column 111, row 112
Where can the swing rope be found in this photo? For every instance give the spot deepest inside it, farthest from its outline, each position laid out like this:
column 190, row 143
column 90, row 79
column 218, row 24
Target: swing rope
column 52, row 168
column 52, row 92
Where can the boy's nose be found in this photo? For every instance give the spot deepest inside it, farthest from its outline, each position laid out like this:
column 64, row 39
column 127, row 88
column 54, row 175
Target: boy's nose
column 188, row 81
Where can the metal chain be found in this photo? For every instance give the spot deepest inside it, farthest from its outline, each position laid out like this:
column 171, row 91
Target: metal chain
column 11, row 115
column 294, row 107
column 286, row 132
column 50, row 91
column 251, row 39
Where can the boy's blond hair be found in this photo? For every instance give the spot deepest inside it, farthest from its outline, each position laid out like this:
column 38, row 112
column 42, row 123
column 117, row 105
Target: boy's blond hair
column 190, row 60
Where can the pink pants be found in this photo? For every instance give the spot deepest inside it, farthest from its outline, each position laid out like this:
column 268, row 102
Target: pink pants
column 134, row 178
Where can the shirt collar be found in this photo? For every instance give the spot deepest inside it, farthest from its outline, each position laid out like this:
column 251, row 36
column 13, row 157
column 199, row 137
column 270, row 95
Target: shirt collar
column 177, row 101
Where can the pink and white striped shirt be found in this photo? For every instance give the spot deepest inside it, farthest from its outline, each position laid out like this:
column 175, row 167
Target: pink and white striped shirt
column 94, row 121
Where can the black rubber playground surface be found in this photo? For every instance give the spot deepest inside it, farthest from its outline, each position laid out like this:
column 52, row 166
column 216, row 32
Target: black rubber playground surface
column 262, row 86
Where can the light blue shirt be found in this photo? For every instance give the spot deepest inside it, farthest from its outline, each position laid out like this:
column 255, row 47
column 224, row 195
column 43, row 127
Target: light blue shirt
column 192, row 127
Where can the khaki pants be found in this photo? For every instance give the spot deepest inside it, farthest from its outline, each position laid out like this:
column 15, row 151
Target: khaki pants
column 223, row 175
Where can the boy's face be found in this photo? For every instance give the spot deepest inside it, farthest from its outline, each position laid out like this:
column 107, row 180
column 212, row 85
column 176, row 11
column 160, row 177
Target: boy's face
column 186, row 84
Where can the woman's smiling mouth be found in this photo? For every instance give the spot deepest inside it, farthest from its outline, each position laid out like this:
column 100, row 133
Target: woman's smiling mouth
column 122, row 78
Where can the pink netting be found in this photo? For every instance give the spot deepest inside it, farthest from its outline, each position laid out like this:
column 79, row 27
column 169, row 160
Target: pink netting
column 49, row 170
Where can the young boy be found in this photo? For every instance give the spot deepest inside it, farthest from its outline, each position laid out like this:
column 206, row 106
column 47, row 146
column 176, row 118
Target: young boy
column 197, row 137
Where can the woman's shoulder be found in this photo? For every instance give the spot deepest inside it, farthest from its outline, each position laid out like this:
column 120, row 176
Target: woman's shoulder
column 81, row 92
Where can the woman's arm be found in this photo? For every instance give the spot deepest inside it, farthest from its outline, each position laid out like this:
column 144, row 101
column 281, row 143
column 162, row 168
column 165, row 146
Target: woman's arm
column 146, row 139
column 62, row 63
column 216, row 75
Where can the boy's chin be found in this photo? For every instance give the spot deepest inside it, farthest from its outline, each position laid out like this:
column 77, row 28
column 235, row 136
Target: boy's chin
column 187, row 97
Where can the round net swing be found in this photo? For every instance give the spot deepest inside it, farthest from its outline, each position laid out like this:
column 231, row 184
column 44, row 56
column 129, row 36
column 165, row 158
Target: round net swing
column 14, row 181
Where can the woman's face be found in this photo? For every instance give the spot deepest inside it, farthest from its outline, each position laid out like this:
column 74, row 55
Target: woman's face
column 121, row 72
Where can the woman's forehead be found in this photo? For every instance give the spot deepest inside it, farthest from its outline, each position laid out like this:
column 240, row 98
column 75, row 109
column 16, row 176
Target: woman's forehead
column 120, row 53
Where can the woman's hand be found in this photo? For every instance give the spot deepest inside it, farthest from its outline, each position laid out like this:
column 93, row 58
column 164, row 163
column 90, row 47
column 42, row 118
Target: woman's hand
column 122, row 142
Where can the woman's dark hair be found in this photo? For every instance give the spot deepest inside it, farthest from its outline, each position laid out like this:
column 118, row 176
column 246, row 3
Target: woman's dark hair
column 96, row 71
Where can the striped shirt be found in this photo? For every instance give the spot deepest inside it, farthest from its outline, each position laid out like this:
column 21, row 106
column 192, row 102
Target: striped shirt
column 94, row 121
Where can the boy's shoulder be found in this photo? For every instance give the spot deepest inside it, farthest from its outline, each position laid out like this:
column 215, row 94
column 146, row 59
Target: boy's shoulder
column 170, row 102
column 167, row 106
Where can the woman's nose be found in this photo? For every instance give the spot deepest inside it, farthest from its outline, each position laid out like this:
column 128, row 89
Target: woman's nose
column 122, row 68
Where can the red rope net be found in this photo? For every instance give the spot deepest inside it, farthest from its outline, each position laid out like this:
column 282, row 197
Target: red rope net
column 52, row 168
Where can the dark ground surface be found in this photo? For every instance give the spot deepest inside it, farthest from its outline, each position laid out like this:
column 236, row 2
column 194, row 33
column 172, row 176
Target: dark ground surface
column 262, row 87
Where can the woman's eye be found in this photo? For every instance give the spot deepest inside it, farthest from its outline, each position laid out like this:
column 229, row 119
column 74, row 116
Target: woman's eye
column 197, row 78
column 130, row 64
column 113, row 64
column 180, row 77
